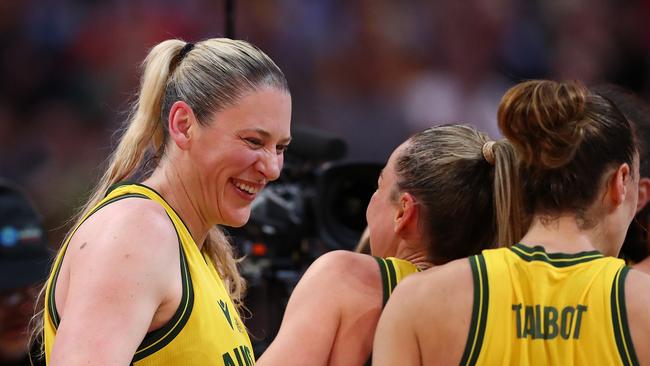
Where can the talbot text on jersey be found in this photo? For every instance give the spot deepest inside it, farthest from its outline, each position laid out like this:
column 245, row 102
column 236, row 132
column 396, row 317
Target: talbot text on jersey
column 547, row 322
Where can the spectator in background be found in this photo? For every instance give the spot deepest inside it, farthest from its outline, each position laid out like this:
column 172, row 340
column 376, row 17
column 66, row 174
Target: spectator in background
column 460, row 82
column 636, row 247
column 24, row 261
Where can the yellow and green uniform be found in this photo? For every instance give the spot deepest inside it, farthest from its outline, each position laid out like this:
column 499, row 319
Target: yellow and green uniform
column 537, row 308
column 205, row 330
column 392, row 271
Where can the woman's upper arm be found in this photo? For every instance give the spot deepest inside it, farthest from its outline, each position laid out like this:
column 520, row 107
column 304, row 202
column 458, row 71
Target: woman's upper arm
column 117, row 278
column 312, row 316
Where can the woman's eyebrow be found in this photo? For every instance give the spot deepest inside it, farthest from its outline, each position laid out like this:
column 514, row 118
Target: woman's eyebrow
column 264, row 133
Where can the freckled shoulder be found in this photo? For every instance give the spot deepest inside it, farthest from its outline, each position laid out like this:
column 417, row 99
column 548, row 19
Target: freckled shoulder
column 130, row 219
column 135, row 228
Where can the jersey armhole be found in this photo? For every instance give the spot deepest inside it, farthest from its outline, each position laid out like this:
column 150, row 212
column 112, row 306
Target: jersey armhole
column 51, row 309
column 159, row 338
column 619, row 319
column 388, row 278
column 479, row 310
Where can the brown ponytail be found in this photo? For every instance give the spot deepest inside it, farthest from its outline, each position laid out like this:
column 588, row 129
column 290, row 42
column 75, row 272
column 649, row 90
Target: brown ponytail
column 469, row 202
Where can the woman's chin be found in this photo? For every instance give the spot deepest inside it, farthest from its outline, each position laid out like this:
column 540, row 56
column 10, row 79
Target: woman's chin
column 238, row 220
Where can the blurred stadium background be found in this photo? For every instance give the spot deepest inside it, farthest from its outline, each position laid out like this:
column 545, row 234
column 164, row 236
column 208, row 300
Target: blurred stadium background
column 369, row 71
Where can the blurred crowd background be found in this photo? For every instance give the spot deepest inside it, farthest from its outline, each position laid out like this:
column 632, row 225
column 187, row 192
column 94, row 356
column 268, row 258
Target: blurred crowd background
column 370, row 71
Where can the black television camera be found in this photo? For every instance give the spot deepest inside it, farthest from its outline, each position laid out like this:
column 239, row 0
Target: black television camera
column 317, row 205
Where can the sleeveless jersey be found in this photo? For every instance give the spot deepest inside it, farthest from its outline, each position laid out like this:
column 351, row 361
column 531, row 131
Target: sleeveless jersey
column 537, row 308
column 205, row 330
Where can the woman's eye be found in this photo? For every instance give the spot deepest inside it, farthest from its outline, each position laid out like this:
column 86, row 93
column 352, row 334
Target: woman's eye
column 280, row 149
column 253, row 141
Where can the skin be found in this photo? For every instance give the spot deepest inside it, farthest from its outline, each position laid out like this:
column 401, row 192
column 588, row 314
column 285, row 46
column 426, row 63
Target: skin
column 333, row 311
column 644, row 265
column 644, row 198
column 105, row 313
column 442, row 297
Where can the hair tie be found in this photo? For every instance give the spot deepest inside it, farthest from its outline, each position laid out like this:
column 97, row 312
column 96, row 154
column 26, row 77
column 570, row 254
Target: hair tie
column 488, row 152
column 185, row 50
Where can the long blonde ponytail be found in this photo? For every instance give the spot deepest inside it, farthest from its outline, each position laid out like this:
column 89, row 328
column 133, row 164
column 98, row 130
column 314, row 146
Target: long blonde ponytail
column 208, row 76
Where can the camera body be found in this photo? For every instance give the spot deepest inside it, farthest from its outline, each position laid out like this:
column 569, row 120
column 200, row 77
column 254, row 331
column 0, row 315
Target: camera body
column 311, row 211
column 317, row 205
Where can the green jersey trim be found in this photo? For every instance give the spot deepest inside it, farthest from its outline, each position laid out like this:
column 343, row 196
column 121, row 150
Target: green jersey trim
column 619, row 319
column 53, row 312
column 559, row 260
column 159, row 338
column 479, row 310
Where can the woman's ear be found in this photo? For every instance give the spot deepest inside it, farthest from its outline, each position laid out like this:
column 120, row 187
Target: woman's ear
column 644, row 193
column 617, row 185
column 406, row 215
column 181, row 121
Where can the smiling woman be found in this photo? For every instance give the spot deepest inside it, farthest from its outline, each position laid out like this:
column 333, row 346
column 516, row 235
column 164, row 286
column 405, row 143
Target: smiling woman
column 235, row 159
column 145, row 277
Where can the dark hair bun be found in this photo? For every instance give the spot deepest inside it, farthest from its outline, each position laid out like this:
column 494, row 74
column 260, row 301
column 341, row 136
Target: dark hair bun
column 545, row 121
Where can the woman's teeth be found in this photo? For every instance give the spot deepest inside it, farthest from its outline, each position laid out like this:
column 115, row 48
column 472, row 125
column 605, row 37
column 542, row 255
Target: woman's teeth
column 246, row 188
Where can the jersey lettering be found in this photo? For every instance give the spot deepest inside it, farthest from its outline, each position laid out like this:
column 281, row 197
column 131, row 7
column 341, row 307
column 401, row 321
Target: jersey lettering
column 541, row 322
column 242, row 354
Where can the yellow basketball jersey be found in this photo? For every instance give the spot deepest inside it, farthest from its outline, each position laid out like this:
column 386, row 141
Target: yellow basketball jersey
column 392, row 271
column 537, row 308
column 205, row 330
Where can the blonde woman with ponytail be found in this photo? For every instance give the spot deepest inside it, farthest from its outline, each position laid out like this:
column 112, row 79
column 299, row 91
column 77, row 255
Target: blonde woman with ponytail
column 559, row 296
column 145, row 276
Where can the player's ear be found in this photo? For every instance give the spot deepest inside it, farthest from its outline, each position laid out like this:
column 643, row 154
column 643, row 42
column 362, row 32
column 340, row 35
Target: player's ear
column 406, row 215
column 181, row 123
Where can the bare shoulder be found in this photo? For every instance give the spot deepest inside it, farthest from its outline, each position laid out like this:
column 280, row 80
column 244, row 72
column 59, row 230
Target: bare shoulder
column 120, row 267
column 637, row 298
column 442, row 298
column 337, row 287
column 131, row 241
column 637, row 291
column 135, row 225
column 344, row 282
column 439, row 284
column 344, row 259
column 345, row 268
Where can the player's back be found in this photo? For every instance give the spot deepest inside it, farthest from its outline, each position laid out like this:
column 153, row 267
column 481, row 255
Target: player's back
column 537, row 308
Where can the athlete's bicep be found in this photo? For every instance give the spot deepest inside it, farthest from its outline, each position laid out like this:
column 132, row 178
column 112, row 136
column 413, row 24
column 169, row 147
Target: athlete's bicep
column 116, row 282
column 310, row 320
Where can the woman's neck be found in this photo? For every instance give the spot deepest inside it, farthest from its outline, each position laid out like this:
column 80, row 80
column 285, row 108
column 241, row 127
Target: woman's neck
column 416, row 254
column 175, row 192
column 563, row 234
